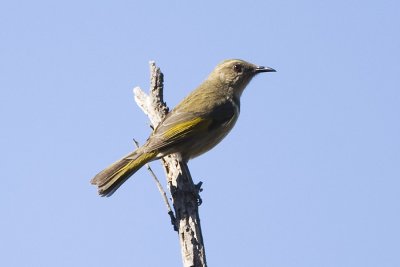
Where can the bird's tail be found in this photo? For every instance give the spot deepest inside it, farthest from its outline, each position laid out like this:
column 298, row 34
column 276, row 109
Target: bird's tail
column 111, row 178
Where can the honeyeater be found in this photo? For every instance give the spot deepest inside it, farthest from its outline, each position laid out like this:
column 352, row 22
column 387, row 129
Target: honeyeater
column 194, row 126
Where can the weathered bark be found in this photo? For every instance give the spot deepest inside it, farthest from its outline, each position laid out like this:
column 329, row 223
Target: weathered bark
column 184, row 192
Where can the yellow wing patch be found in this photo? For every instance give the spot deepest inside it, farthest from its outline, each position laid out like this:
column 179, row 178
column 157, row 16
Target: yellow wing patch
column 187, row 127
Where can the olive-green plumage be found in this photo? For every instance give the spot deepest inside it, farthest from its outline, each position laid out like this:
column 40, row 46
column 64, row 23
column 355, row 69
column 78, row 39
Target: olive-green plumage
column 194, row 126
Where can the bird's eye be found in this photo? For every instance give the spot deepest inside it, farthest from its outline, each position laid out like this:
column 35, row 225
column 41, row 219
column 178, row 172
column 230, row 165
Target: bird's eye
column 238, row 68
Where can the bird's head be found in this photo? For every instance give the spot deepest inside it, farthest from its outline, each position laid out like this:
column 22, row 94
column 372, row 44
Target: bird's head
column 236, row 74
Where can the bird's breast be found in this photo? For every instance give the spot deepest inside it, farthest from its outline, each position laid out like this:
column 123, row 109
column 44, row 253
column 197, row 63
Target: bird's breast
column 211, row 138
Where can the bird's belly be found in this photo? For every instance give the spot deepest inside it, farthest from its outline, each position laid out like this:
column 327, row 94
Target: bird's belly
column 206, row 142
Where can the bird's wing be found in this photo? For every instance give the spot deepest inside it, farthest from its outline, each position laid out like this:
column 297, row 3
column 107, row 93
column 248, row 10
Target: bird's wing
column 179, row 126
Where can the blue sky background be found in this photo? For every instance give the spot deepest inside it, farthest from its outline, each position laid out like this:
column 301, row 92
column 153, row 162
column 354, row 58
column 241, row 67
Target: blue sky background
column 308, row 177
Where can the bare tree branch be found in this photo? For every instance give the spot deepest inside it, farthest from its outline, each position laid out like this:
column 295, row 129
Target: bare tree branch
column 161, row 190
column 185, row 194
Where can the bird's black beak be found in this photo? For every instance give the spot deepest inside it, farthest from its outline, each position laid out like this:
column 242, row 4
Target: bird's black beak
column 264, row 69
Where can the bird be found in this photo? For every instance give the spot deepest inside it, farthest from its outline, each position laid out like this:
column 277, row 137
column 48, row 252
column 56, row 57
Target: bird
column 196, row 125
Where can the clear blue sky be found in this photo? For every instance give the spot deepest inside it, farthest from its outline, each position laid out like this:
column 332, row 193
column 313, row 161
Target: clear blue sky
column 308, row 177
